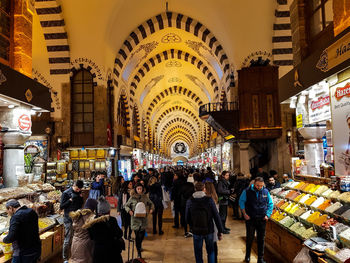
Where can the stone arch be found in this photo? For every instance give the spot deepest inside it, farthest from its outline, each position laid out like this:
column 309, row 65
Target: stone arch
column 136, row 121
column 55, row 34
column 184, row 125
column 173, row 131
column 165, row 20
column 173, row 109
column 76, row 68
column 168, row 55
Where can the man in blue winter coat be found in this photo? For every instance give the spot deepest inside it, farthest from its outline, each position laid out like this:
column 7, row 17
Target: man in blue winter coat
column 256, row 205
column 201, row 213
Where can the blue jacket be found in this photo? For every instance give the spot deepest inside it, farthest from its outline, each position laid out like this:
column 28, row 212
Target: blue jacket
column 24, row 230
column 256, row 203
column 214, row 212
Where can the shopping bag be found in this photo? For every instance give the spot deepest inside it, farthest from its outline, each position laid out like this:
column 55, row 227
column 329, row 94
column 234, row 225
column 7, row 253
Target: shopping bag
column 166, row 196
column 303, row 256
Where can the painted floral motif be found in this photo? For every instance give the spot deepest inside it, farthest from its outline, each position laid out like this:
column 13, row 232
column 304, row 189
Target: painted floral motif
column 322, row 64
column 173, row 63
column 171, row 38
column 174, row 79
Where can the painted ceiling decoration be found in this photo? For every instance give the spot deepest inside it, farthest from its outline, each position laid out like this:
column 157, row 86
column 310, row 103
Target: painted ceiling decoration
column 180, row 148
column 170, row 65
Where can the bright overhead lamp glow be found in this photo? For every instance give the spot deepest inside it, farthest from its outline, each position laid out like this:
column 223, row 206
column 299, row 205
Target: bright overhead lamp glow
column 11, row 106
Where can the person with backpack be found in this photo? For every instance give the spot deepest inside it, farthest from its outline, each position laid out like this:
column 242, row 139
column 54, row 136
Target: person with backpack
column 201, row 214
column 256, row 205
column 137, row 208
column 224, row 194
column 156, row 196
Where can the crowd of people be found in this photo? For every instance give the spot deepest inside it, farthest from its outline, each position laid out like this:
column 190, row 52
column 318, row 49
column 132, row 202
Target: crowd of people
column 199, row 200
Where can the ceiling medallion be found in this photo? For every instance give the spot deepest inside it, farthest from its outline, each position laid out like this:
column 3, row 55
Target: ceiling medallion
column 171, row 38
column 173, row 63
column 180, row 147
column 174, row 79
column 29, row 95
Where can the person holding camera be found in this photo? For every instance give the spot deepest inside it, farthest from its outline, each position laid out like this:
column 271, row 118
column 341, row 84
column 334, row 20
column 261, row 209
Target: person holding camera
column 97, row 187
column 224, row 194
column 71, row 200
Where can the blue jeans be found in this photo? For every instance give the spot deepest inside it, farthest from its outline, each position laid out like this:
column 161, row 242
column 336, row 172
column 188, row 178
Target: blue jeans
column 198, row 247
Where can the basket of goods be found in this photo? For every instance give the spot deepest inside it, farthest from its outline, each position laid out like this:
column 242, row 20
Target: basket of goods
column 6, row 249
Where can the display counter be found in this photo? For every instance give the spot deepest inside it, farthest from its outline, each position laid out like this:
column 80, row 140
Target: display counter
column 44, row 199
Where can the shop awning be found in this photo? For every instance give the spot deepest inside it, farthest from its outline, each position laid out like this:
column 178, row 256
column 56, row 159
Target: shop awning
column 24, row 89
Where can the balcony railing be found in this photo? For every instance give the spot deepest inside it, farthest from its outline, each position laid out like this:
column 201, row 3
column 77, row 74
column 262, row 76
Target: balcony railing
column 217, row 106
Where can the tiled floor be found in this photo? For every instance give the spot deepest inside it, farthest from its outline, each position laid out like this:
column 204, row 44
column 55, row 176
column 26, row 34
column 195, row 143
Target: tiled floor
column 173, row 247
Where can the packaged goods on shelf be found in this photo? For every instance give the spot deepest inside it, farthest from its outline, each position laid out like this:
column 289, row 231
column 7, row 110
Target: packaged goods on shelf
column 299, row 197
column 275, row 191
column 327, row 193
column 324, row 205
column 300, row 211
column 322, row 189
column 318, row 202
column 333, row 207
column 295, row 226
column 335, row 194
column 320, row 220
column 342, row 209
column 304, row 198
column 340, row 228
column 313, row 217
column 343, row 254
column 309, row 187
column 306, row 215
column 329, row 222
column 310, row 200
column 287, row 221
column 309, row 233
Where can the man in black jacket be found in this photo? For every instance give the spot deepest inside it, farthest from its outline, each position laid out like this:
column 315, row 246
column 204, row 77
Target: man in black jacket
column 23, row 233
column 224, row 194
column 71, row 200
column 201, row 213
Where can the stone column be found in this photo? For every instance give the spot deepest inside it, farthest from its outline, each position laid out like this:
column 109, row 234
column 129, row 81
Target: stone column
column 244, row 157
column 22, row 52
column 299, row 37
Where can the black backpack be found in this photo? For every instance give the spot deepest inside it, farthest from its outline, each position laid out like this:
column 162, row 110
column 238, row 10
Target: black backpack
column 200, row 215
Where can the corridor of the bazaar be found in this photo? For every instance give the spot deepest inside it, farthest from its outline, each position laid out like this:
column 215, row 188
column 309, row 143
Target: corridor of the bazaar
column 160, row 131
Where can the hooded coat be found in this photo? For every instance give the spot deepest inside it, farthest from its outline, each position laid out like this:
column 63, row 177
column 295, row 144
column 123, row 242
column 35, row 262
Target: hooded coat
column 82, row 245
column 138, row 223
column 105, row 233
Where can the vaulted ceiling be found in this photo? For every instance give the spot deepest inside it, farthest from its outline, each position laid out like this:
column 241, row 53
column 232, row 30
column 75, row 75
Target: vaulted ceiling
column 168, row 64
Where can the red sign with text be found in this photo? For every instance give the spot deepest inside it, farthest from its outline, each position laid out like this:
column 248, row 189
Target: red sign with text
column 24, row 122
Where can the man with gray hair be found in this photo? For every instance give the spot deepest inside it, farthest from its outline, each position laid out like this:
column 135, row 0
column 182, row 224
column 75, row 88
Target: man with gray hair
column 23, row 233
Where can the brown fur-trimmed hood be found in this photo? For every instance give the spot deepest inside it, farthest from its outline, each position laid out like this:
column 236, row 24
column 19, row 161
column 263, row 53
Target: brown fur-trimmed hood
column 81, row 212
column 134, row 194
column 93, row 221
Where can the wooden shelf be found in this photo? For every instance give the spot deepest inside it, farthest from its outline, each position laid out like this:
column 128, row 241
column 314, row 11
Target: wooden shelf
column 313, row 177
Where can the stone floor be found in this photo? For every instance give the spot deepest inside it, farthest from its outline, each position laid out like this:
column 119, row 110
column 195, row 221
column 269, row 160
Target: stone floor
column 173, row 247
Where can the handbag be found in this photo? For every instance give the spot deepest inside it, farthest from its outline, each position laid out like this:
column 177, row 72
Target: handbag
column 232, row 198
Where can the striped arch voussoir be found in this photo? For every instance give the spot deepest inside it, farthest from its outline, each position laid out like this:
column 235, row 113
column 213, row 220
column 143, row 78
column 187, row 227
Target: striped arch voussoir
column 55, row 34
column 165, row 20
column 76, row 68
column 125, row 99
column 173, row 54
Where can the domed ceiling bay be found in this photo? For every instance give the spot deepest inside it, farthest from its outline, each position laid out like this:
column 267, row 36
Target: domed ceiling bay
column 172, row 65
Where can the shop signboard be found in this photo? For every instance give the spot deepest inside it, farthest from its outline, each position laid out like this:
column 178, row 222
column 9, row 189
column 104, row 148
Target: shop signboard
column 299, row 121
column 319, row 109
column 340, row 101
column 24, row 122
column 335, row 54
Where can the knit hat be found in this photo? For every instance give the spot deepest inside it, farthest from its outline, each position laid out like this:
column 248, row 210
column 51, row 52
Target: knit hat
column 91, row 204
column 13, row 203
column 103, row 207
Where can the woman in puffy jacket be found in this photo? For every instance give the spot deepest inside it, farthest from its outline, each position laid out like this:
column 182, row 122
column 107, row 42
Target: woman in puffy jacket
column 82, row 245
column 139, row 218
column 156, row 196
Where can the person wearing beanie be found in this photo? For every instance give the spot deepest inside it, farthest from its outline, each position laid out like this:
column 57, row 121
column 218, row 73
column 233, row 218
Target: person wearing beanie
column 23, row 232
column 82, row 245
column 139, row 221
column 105, row 234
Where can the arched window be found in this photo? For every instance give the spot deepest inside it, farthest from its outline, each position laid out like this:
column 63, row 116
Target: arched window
column 82, row 108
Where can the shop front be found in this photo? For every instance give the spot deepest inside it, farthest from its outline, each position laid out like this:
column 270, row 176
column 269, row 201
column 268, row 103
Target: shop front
column 227, row 156
column 319, row 198
column 125, row 162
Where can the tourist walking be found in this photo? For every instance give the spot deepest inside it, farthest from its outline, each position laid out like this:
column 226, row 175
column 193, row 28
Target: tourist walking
column 82, row 245
column 210, row 191
column 71, row 200
column 156, row 196
column 106, row 235
column 224, row 194
column 23, row 233
column 138, row 206
column 122, row 200
column 256, row 205
column 201, row 213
